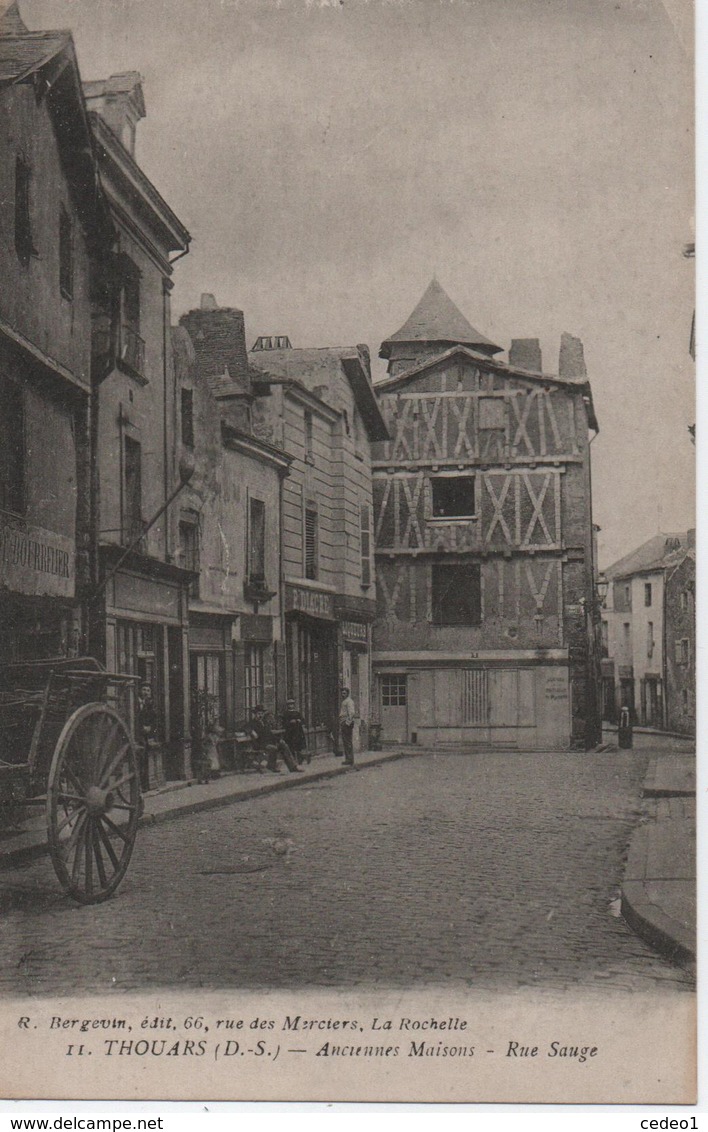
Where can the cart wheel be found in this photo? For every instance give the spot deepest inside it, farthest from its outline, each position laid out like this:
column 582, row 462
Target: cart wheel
column 93, row 803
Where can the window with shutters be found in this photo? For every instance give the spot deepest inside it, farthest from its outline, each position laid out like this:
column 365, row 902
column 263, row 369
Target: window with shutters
column 66, row 255
column 132, row 490
column 187, row 418
column 12, row 446
column 457, row 594
column 309, row 441
column 23, row 213
column 311, row 563
column 256, row 542
column 189, row 548
column 365, row 525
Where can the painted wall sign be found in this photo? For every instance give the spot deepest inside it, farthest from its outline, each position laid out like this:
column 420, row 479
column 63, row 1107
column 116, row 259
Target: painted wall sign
column 309, row 601
column 35, row 561
column 354, row 631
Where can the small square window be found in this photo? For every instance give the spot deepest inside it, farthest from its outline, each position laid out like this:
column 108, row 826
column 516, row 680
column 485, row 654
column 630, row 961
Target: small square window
column 394, row 691
column 453, row 497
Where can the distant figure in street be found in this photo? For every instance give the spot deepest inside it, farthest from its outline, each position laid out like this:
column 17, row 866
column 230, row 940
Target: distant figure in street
column 294, row 732
column 347, row 719
column 146, row 729
column 262, row 731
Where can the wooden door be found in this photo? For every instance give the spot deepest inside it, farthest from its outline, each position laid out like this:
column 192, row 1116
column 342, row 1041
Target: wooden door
column 394, row 707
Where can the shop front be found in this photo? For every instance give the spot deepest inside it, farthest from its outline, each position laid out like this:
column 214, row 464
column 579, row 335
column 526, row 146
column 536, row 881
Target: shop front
column 146, row 631
column 356, row 674
column 38, row 617
column 311, row 632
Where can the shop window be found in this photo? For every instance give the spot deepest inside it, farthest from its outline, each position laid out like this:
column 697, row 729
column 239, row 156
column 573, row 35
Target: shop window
column 139, row 653
column 365, row 525
column 189, row 551
column 23, row 212
column 187, row 418
column 309, row 440
column 66, row 255
column 12, row 446
column 394, row 691
column 256, row 542
column 311, row 542
column 647, row 593
column 132, row 490
column 457, row 594
column 207, row 692
column 453, row 497
column 254, row 670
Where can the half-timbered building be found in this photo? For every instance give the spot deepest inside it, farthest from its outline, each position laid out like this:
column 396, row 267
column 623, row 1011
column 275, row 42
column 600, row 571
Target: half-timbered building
column 486, row 623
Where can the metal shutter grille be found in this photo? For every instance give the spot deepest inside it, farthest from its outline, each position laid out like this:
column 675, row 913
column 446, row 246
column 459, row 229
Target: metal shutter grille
column 475, row 696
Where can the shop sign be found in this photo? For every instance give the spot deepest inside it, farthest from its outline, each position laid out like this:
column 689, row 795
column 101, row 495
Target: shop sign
column 311, row 602
column 35, row 561
column 354, row 631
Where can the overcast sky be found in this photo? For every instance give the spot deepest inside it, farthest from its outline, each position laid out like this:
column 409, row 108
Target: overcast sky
column 536, row 155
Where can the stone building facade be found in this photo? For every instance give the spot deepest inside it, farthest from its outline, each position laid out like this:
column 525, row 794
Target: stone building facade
column 680, row 636
column 54, row 222
column 140, row 618
column 229, row 526
column 319, row 406
column 486, row 631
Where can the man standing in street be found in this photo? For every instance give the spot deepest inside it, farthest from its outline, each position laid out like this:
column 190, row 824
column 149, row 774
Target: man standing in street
column 347, row 719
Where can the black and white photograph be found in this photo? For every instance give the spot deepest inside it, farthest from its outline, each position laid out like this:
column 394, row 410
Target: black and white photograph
column 347, row 550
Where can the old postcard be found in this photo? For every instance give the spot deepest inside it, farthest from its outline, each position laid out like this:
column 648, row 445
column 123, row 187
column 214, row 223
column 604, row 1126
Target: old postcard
column 347, row 550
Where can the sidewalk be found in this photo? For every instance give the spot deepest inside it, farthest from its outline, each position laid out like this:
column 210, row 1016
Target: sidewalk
column 178, row 798
column 659, row 887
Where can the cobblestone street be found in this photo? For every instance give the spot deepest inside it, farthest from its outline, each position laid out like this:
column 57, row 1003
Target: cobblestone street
column 481, row 870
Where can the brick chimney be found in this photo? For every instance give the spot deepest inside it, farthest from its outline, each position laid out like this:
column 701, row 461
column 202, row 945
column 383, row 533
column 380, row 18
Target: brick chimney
column 219, row 338
column 119, row 101
column 525, row 353
column 571, row 361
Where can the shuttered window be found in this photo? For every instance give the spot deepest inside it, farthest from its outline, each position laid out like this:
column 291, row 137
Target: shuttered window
column 12, row 446
column 256, row 542
column 365, row 523
column 311, row 542
column 475, row 696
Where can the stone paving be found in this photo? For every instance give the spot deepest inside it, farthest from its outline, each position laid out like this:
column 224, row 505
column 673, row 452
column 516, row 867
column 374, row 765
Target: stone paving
column 481, row 870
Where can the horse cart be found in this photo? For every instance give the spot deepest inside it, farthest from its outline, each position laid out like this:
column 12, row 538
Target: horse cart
column 65, row 746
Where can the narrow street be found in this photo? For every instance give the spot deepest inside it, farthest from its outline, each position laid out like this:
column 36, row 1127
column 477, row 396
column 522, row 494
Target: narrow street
column 481, row 870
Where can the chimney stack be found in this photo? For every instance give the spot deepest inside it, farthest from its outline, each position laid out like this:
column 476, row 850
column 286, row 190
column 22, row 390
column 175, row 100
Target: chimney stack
column 525, row 353
column 219, row 338
column 119, row 101
column 571, row 361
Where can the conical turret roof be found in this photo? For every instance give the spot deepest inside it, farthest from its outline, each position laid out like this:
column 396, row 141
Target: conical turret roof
column 437, row 319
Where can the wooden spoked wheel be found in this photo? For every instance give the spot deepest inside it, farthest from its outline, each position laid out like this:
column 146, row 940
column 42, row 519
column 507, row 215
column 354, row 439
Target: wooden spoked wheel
column 93, row 803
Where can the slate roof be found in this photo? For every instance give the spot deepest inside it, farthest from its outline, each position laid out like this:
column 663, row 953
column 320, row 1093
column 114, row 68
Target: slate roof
column 21, row 54
column 437, row 319
column 656, row 553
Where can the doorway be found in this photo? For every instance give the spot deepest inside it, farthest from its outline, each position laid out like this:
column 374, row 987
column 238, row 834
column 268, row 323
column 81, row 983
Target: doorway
column 394, row 707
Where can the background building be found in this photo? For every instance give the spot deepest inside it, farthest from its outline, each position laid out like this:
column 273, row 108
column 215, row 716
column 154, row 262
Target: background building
column 649, row 634
column 318, row 405
column 485, row 558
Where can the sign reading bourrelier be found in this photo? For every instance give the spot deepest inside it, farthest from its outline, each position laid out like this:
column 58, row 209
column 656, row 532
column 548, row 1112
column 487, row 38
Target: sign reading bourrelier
column 35, row 561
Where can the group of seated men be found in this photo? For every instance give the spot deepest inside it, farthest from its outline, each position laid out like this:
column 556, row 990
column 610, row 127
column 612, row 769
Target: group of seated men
column 289, row 743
